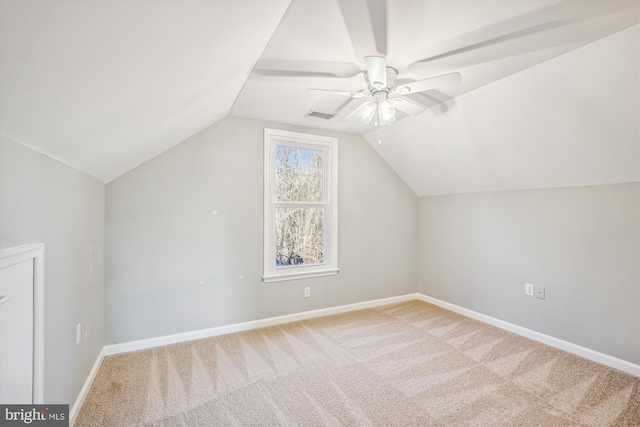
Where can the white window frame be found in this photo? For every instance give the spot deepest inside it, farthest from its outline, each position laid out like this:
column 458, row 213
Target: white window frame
column 329, row 146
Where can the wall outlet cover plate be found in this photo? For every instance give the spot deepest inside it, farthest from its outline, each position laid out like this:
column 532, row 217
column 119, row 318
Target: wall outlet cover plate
column 528, row 289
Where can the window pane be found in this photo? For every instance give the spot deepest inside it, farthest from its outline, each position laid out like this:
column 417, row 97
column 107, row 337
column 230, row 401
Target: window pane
column 298, row 174
column 299, row 236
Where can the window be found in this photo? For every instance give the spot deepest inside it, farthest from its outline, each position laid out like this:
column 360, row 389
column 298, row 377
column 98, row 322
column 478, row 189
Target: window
column 300, row 205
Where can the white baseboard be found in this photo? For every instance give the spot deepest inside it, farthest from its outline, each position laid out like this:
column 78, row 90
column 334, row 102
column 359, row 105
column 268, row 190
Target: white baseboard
column 587, row 353
column 75, row 409
column 255, row 324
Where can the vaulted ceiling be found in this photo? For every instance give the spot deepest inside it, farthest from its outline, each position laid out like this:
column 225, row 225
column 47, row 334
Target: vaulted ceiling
column 548, row 98
column 106, row 85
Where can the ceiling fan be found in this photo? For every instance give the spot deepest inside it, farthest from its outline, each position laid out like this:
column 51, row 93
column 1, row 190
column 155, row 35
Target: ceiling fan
column 387, row 96
column 388, row 89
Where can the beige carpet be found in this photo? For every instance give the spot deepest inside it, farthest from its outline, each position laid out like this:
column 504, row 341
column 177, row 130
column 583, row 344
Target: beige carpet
column 408, row 364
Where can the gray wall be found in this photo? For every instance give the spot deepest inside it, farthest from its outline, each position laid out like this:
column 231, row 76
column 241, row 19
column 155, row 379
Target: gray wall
column 581, row 243
column 163, row 241
column 43, row 200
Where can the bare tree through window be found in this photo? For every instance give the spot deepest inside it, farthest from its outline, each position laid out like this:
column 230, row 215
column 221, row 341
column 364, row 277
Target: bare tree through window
column 299, row 224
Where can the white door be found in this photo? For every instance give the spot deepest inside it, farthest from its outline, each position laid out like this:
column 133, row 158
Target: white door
column 16, row 333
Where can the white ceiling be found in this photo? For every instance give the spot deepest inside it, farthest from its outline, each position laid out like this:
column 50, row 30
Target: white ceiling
column 105, row 86
column 567, row 122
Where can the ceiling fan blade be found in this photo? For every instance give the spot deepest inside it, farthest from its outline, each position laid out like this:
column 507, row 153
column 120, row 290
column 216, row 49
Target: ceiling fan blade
column 378, row 17
column 298, row 68
column 366, row 22
column 430, row 83
column 377, row 71
column 560, row 23
column 408, row 106
column 424, row 63
column 346, row 109
column 355, row 111
column 340, row 92
column 431, row 99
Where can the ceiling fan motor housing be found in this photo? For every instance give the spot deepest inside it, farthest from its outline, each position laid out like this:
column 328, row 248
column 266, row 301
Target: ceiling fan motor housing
column 392, row 76
column 381, row 94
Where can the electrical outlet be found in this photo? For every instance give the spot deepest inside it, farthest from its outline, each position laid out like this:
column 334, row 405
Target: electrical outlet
column 78, row 333
column 307, row 292
column 528, row 289
column 540, row 292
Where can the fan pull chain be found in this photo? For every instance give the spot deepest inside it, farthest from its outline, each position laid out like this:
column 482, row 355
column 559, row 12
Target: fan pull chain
column 379, row 125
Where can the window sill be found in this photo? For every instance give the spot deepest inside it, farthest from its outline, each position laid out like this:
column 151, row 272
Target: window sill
column 299, row 275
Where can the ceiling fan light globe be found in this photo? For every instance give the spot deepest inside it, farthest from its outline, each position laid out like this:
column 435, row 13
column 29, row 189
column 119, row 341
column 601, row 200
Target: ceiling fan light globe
column 367, row 112
column 388, row 121
column 387, row 112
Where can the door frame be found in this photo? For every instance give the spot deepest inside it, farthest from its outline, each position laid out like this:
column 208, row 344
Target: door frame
column 35, row 252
